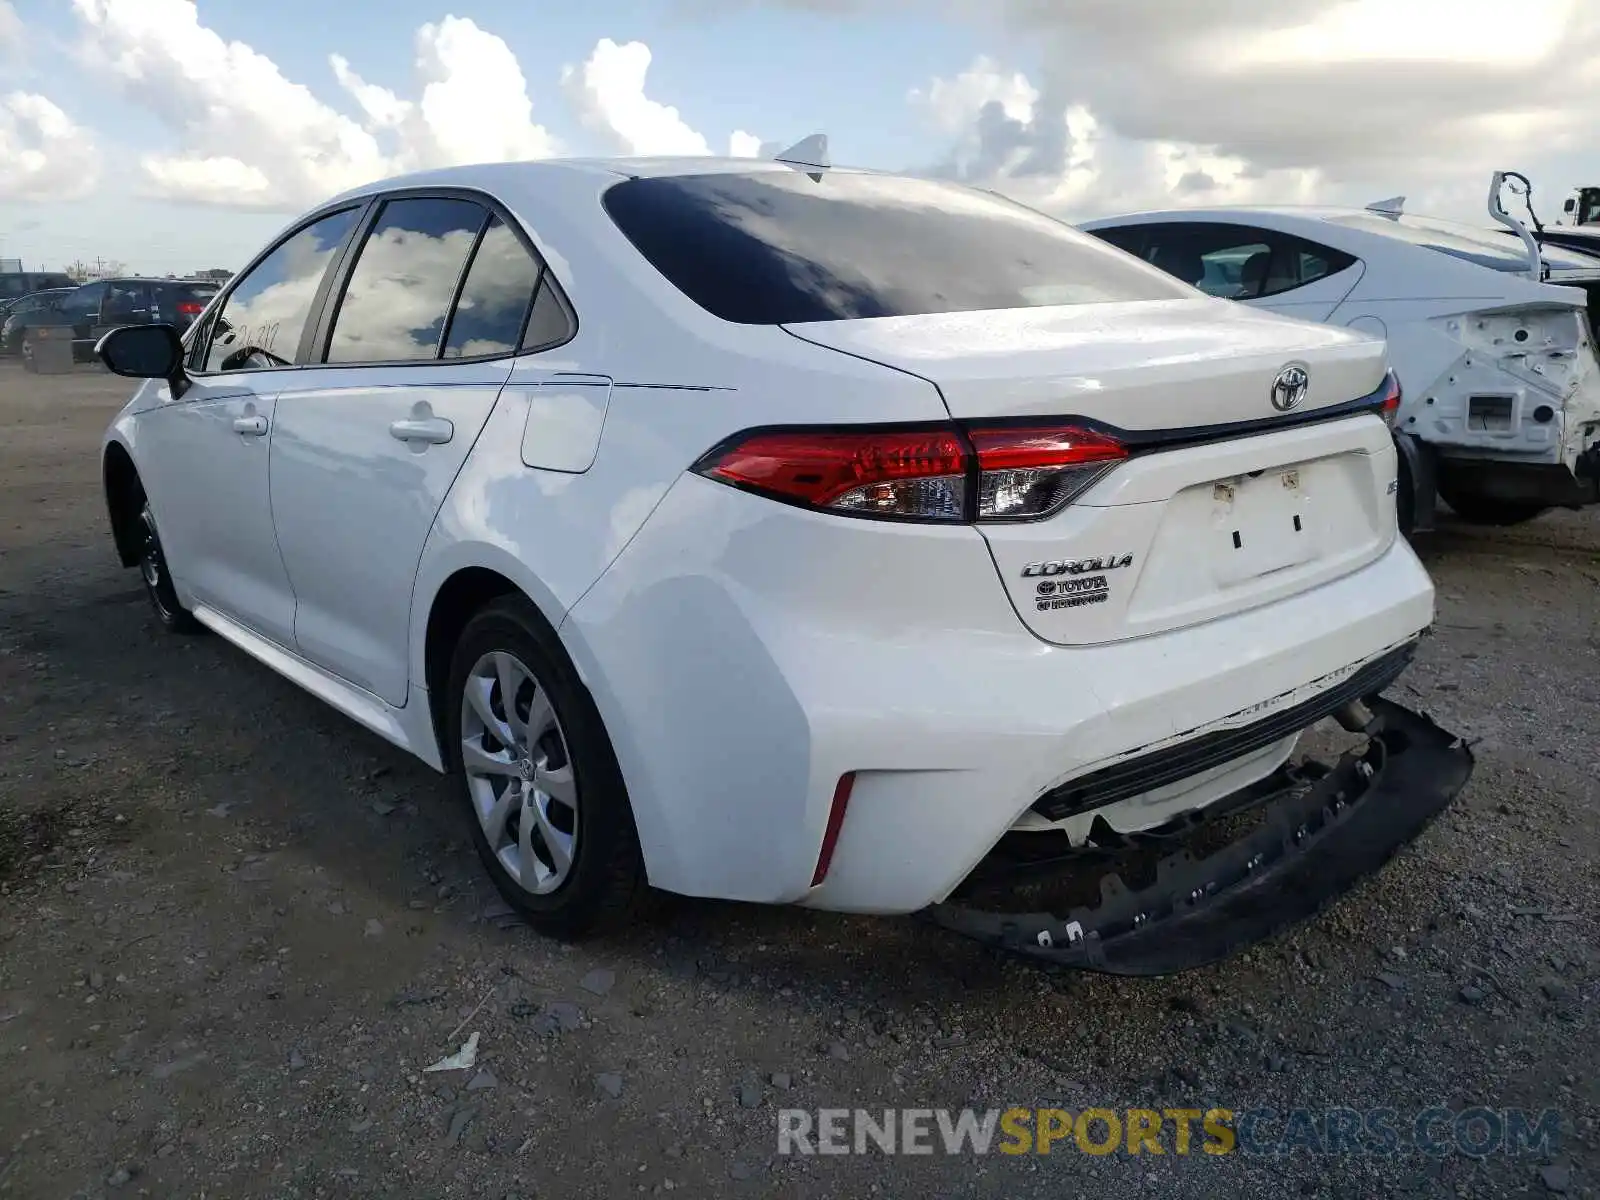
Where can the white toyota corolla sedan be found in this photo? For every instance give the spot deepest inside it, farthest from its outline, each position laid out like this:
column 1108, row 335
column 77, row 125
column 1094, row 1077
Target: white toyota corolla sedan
column 792, row 534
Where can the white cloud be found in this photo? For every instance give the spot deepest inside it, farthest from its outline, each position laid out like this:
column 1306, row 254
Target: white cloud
column 248, row 136
column 744, row 145
column 607, row 93
column 46, row 155
column 10, row 29
column 1341, row 100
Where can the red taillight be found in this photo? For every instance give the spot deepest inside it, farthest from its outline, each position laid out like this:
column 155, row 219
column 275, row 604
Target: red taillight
column 188, row 308
column 1390, row 397
column 830, row 835
column 934, row 473
column 901, row 473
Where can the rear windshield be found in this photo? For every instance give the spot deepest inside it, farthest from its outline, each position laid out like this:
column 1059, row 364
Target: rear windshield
column 1497, row 249
column 198, row 292
column 777, row 247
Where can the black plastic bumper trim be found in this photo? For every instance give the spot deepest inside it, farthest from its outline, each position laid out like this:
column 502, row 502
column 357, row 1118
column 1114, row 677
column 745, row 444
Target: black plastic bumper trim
column 1147, row 772
column 1314, row 845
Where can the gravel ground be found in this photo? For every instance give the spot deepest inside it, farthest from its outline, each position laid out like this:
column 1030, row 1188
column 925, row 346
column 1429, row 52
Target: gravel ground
column 234, row 929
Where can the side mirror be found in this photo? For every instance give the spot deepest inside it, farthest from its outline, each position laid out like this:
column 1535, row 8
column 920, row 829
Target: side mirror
column 1570, row 205
column 145, row 352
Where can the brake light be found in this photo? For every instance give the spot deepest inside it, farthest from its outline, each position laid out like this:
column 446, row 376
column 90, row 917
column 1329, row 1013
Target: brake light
column 1391, row 394
column 188, row 308
column 929, row 473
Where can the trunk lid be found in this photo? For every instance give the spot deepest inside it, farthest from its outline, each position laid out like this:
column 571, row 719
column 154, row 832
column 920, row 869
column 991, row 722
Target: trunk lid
column 1224, row 504
column 1140, row 365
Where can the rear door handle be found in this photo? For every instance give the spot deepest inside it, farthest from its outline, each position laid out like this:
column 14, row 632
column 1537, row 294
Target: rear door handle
column 432, row 430
column 252, row 426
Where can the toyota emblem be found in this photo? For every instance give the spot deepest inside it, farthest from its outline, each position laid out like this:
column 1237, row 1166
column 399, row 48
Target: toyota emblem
column 1290, row 387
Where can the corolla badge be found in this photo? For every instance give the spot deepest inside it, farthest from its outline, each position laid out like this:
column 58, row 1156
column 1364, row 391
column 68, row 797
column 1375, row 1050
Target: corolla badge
column 1290, row 387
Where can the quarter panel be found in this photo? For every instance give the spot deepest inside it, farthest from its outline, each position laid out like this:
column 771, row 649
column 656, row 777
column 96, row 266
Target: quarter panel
column 553, row 532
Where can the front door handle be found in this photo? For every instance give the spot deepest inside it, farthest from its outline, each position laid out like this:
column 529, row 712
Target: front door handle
column 431, row 430
column 251, row 426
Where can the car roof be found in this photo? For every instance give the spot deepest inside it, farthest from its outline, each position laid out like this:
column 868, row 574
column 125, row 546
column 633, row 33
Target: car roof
column 1310, row 212
column 535, row 172
column 146, row 279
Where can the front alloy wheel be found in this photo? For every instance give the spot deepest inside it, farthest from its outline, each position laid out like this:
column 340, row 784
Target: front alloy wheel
column 157, row 580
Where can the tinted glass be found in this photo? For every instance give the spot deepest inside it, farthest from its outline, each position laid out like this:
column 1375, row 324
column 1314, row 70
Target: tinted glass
column 125, row 299
column 549, row 324
column 1239, row 262
column 187, row 293
column 784, row 246
column 399, row 293
column 83, row 301
column 264, row 316
column 1130, row 239
column 494, row 298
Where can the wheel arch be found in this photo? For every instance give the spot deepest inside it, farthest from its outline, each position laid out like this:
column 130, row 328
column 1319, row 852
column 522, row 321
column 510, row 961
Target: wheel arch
column 123, row 494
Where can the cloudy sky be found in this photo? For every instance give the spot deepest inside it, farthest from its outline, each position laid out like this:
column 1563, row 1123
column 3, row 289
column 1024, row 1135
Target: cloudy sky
column 179, row 134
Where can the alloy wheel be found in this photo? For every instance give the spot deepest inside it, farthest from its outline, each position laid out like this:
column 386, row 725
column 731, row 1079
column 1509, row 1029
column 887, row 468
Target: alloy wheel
column 152, row 565
column 519, row 773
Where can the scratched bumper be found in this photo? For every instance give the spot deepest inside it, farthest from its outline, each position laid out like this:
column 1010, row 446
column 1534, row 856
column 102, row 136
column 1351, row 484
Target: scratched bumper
column 1314, row 843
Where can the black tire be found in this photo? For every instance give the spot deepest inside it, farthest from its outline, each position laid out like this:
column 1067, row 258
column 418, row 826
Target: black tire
column 1405, row 500
column 605, row 886
column 157, row 578
column 1484, row 510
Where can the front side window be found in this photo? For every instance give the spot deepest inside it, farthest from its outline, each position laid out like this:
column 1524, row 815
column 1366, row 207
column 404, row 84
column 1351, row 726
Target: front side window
column 494, row 298
column 262, row 319
column 398, row 298
column 781, row 246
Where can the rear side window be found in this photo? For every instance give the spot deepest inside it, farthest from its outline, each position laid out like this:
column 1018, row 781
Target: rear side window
column 494, row 297
column 262, row 320
column 1239, row 262
column 775, row 247
column 398, row 298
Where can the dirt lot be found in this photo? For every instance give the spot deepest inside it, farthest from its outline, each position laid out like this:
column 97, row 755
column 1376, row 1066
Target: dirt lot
column 234, row 928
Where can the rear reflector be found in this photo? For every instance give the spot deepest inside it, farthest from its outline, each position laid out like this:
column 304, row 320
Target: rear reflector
column 934, row 473
column 830, row 836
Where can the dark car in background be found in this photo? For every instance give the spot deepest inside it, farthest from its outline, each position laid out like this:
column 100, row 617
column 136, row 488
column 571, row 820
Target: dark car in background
column 15, row 284
column 13, row 313
column 97, row 307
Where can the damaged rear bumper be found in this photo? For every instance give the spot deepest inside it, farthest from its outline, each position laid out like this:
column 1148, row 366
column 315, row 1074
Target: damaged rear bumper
column 1315, row 841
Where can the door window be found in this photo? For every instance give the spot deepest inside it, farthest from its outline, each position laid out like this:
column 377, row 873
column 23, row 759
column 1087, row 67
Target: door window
column 83, row 303
column 399, row 294
column 126, row 300
column 261, row 322
column 1237, row 262
column 494, row 299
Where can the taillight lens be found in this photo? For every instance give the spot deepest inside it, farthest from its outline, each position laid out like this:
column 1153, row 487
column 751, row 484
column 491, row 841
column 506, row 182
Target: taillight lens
column 1029, row 473
column 1391, row 397
column 934, row 473
column 188, row 308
